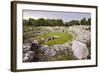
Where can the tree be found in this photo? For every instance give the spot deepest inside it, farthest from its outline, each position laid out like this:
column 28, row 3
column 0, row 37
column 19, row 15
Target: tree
column 53, row 22
column 89, row 21
column 73, row 22
column 66, row 23
column 76, row 22
column 84, row 21
column 30, row 21
column 25, row 22
column 41, row 22
column 60, row 22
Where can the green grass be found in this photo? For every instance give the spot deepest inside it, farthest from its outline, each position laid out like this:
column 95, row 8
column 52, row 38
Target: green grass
column 62, row 38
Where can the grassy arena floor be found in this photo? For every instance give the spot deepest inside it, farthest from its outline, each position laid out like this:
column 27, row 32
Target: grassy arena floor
column 62, row 38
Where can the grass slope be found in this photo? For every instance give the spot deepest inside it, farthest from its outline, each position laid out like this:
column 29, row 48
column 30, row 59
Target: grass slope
column 62, row 38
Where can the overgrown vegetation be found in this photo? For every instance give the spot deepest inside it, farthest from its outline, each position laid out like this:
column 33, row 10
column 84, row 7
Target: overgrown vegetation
column 55, row 22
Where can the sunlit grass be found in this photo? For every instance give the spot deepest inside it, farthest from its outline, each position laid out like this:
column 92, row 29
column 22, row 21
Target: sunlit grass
column 62, row 38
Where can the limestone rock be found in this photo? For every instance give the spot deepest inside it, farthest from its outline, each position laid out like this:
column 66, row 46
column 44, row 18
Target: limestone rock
column 79, row 49
column 28, row 56
column 26, row 47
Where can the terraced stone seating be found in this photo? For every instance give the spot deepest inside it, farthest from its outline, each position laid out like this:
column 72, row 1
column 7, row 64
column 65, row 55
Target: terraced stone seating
column 77, row 47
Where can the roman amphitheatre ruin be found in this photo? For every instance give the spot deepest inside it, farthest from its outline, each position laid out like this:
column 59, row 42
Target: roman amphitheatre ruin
column 57, row 43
